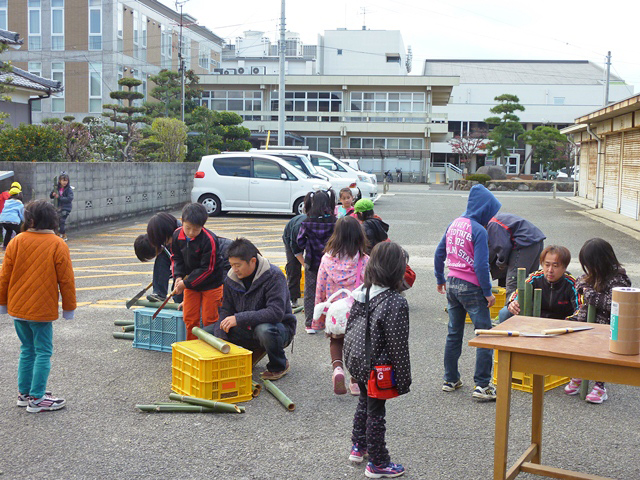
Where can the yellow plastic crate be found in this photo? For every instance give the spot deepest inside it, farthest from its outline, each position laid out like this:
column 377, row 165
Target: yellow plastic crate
column 282, row 268
column 501, row 298
column 524, row 381
column 199, row 370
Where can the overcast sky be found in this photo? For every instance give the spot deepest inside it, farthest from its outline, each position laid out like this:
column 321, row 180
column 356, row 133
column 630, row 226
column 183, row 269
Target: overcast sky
column 494, row 29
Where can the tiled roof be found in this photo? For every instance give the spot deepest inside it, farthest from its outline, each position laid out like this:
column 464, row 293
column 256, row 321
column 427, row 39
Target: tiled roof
column 521, row 72
column 10, row 38
column 20, row 78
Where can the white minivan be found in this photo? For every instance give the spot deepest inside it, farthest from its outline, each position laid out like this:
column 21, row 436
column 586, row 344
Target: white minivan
column 251, row 182
column 367, row 184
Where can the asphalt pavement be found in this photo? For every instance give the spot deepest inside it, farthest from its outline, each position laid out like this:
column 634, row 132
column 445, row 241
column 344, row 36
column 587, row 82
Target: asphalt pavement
column 435, row 435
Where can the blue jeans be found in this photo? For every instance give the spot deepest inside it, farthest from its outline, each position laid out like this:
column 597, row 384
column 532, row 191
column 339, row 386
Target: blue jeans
column 162, row 275
column 35, row 356
column 462, row 298
column 271, row 337
column 504, row 314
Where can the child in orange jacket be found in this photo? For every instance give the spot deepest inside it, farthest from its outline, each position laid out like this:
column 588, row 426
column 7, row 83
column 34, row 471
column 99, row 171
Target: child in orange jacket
column 35, row 270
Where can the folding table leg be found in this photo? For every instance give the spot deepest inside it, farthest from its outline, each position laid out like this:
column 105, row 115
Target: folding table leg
column 503, row 407
column 536, row 415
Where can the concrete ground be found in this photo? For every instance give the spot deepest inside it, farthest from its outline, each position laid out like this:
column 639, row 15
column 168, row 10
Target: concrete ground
column 435, row 435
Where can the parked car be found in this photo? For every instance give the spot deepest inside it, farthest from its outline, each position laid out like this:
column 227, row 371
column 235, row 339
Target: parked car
column 301, row 162
column 251, row 182
column 367, row 181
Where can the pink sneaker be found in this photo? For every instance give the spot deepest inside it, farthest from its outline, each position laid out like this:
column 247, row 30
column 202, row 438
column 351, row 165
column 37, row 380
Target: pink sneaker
column 597, row 395
column 573, row 387
column 339, row 387
column 354, row 389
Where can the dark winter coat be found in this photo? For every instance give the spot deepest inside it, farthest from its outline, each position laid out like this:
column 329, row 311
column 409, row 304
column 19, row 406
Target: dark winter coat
column 64, row 200
column 389, row 336
column 224, row 244
column 559, row 299
column 376, row 231
column 290, row 234
column 600, row 300
column 507, row 232
column 199, row 258
column 266, row 300
column 313, row 235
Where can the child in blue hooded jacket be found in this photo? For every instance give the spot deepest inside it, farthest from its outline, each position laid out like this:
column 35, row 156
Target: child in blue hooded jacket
column 465, row 251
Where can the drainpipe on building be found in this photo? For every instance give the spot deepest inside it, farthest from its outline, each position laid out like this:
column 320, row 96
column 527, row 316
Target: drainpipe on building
column 40, row 97
column 575, row 165
column 598, row 187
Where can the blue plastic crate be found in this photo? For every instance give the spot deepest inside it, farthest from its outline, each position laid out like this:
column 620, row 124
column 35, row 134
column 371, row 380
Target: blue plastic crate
column 160, row 332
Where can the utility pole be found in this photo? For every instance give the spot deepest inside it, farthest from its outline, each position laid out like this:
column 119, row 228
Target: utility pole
column 181, row 61
column 282, row 51
column 606, row 88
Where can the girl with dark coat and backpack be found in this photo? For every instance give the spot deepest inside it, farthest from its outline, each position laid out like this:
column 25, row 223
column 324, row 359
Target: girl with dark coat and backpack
column 64, row 194
column 377, row 335
column 313, row 235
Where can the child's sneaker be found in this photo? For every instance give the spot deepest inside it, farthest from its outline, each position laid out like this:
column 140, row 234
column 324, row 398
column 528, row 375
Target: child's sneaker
column 354, row 389
column 484, row 393
column 310, row 330
column 154, row 297
column 339, row 387
column 597, row 395
column 45, row 404
column 23, row 400
column 389, row 470
column 573, row 387
column 451, row 386
column 357, row 453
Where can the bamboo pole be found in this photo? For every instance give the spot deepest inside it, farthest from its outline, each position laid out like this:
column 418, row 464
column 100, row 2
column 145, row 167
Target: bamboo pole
column 584, row 386
column 218, row 406
column 176, row 408
column 281, row 397
column 537, row 302
column 522, row 276
column 124, row 336
column 123, row 323
column 212, row 340
column 128, row 328
column 528, row 304
column 257, row 388
column 168, row 306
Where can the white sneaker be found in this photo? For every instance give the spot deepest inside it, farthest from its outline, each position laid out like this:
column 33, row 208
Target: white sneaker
column 485, row 393
column 310, row 330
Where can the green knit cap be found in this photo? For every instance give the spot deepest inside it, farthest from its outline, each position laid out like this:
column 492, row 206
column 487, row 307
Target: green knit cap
column 363, row 205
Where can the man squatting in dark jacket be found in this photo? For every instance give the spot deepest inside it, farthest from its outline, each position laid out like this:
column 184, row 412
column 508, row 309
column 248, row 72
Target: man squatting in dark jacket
column 256, row 310
column 513, row 243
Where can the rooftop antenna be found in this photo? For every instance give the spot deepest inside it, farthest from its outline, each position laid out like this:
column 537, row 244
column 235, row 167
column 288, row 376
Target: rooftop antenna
column 364, row 17
column 180, row 3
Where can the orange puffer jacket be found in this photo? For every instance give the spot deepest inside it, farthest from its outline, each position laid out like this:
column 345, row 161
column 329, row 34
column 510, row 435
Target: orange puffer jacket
column 35, row 264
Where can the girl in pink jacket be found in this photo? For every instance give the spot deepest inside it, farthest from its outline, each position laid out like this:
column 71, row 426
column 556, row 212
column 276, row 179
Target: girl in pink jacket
column 341, row 267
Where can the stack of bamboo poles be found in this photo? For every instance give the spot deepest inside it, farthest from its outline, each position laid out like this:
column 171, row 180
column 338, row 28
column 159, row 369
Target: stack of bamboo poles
column 127, row 328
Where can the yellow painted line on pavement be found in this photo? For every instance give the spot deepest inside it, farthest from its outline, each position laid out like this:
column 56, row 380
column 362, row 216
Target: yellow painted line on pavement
column 78, row 304
column 101, row 258
column 121, row 274
column 115, row 300
column 101, row 268
column 109, row 286
column 101, row 252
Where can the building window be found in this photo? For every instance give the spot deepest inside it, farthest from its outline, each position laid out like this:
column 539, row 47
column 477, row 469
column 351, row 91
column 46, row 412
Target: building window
column 95, row 87
column 234, row 101
column 35, row 25
column 339, row 51
column 203, row 58
column 35, row 68
column 57, row 25
column 120, row 32
column 387, row 102
column 318, row 103
column 143, row 39
column 393, row 58
column 57, row 74
column 322, row 144
column 165, row 46
column 136, row 34
column 95, row 24
column 387, row 143
column 4, row 22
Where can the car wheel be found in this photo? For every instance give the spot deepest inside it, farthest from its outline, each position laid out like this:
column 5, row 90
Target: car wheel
column 212, row 204
column 298, row 206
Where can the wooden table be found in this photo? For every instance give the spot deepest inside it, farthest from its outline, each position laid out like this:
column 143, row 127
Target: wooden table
column 579, row 355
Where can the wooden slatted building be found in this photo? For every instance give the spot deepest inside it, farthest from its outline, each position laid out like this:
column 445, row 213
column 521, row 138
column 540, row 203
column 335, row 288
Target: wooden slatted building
column 609, row 141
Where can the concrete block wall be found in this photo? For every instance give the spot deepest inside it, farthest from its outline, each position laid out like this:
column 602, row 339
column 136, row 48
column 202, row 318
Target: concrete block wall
column 108, row 191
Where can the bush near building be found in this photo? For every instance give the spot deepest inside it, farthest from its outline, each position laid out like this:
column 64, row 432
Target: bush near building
column 31, row 143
